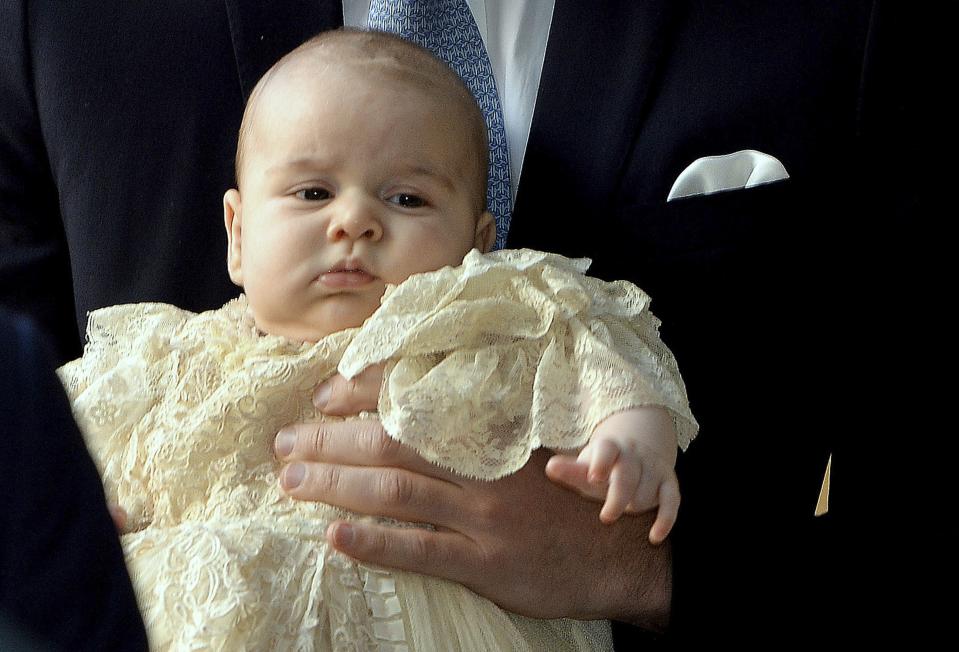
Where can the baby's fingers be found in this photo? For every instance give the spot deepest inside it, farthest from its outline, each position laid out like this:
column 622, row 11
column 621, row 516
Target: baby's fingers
column 569, row 472
column 623, row 481
column 668, row 510
column 603, row 454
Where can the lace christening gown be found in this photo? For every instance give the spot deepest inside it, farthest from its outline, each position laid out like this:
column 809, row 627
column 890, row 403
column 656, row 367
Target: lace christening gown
column 487, row 361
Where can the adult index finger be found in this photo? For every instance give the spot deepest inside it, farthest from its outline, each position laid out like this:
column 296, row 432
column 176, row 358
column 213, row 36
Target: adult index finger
column 338, row 396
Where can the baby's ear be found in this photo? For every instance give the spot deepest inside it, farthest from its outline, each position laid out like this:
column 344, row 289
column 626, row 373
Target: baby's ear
column 232, row 219
column 485, row 232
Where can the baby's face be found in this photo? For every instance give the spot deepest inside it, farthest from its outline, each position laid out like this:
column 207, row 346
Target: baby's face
column 350, row 182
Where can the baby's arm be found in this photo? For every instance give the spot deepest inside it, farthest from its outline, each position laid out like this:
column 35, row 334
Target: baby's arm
column 628, row 464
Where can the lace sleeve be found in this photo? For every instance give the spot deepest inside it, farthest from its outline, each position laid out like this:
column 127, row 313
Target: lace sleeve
column 113, row 389
column 510, row 352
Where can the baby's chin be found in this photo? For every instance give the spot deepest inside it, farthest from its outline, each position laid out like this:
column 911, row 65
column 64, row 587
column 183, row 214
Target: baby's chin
column 315, row 330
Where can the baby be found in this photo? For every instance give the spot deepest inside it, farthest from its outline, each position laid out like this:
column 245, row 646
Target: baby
column 361, row 186
column 348, row 187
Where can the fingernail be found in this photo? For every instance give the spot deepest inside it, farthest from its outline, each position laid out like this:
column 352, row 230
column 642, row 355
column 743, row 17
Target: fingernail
column 119, row 516
column 293, row 476
column 343, row 535
column 322, row 395
column 283, row 444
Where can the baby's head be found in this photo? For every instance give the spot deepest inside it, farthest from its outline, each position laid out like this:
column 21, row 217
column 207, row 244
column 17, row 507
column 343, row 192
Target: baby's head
column 362, row 159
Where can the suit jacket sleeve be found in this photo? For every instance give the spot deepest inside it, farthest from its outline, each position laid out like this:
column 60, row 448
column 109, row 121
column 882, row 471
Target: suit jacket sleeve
column 34, row 265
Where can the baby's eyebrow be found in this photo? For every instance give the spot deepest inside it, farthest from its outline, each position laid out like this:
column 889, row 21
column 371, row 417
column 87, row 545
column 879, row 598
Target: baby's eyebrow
column 438, row 174
column 409, row 168
column 304, row 163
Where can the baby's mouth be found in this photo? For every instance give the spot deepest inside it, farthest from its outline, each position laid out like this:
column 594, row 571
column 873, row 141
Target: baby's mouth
column 346, row 275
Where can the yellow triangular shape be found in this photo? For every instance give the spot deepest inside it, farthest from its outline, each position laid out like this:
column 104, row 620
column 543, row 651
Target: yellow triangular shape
column 822, row 506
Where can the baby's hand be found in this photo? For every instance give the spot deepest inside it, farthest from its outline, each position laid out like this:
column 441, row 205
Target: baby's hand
column 628, row 464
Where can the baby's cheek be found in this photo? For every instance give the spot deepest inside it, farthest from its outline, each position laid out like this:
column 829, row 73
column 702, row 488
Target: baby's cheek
column 442, row 254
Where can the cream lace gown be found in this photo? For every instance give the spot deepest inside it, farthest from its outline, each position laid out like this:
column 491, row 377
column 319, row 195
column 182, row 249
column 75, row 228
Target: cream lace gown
column 509, row 352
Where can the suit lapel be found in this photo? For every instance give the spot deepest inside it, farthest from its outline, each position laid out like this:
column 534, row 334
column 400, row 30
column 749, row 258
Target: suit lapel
column 265, row 30
column 600, row 69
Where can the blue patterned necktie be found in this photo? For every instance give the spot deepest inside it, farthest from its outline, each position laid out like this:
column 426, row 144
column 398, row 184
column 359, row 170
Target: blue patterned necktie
column 448, row 30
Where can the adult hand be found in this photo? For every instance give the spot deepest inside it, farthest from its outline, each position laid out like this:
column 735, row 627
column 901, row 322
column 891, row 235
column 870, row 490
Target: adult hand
column 523, row 542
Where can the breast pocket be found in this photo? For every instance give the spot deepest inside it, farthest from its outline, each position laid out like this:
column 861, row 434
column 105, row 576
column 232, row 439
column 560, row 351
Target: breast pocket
column 725, row 225
column 752, row 253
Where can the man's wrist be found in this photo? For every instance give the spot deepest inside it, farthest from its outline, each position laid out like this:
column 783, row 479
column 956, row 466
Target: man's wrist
column 648, row 596
column 636, row 588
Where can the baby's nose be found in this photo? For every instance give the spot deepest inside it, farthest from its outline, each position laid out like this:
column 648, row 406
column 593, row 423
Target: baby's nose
column 355, row 219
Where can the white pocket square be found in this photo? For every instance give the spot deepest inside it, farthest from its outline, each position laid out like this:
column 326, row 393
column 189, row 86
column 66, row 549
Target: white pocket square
column 711, row 174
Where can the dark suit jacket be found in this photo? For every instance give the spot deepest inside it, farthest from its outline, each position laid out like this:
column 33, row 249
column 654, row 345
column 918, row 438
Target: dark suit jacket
column 62, row 578
column 757, row 289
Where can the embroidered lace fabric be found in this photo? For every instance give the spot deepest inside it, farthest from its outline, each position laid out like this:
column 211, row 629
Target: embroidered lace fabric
column 486, row 362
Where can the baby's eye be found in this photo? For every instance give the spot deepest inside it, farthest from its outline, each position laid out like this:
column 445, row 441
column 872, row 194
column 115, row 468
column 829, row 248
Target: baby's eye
column 313, row 194
column 407, row 200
